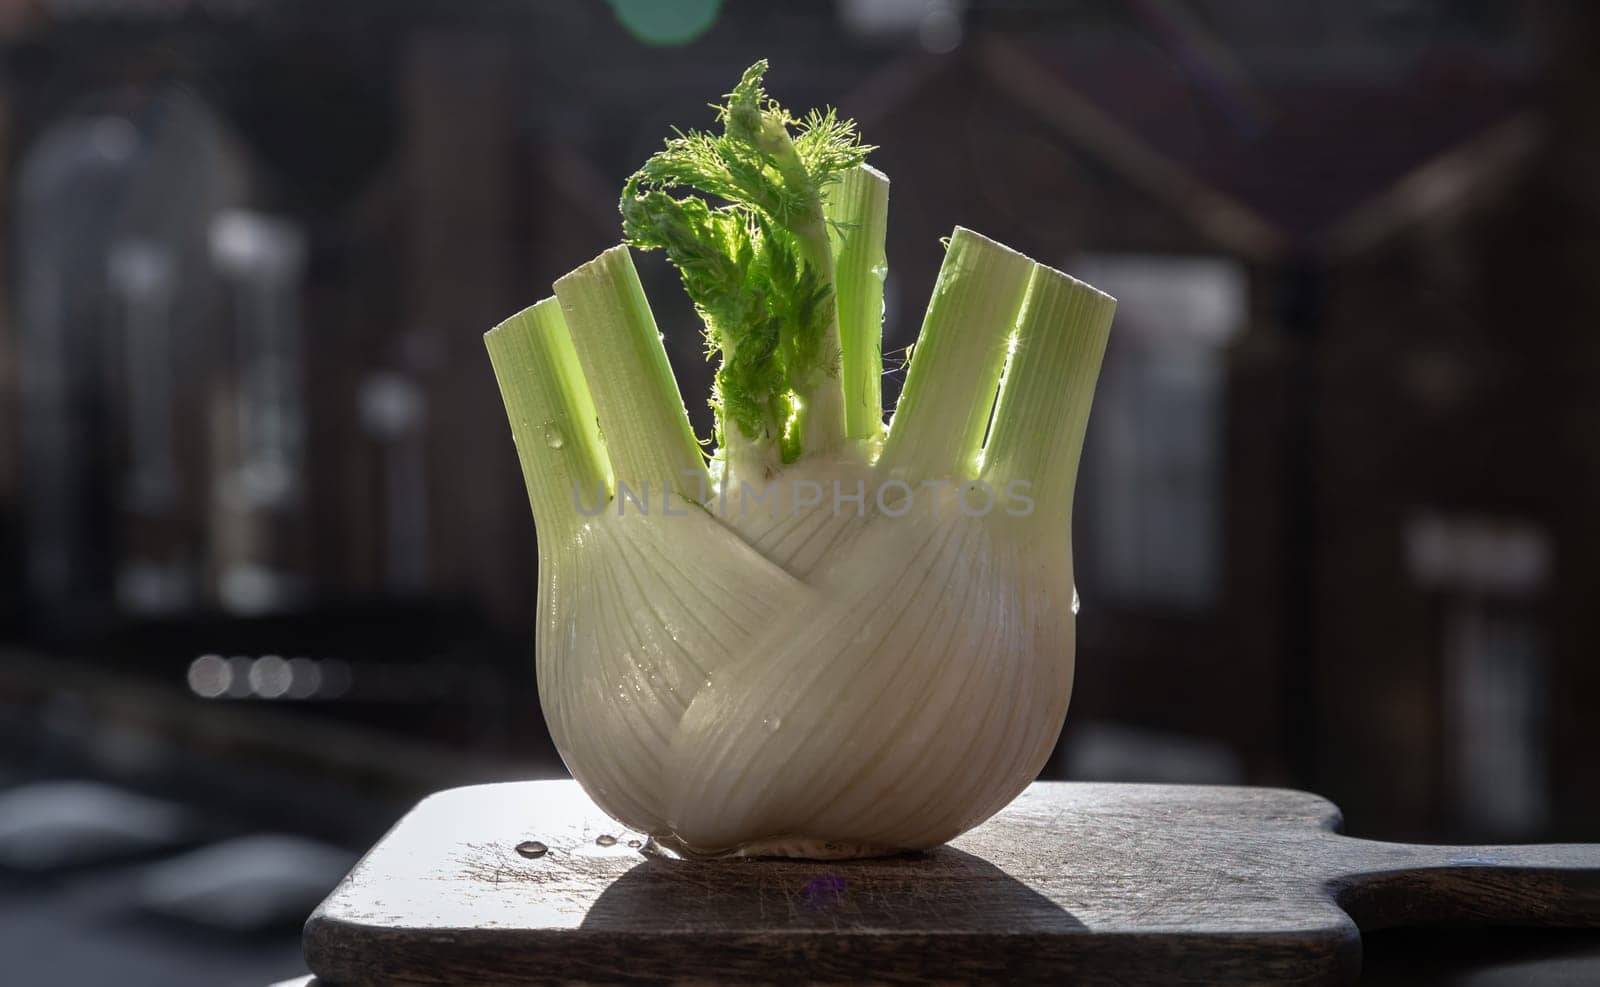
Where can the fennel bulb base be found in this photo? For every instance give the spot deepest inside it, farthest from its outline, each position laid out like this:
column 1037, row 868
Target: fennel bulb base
column 783, row 848
column 847, row 714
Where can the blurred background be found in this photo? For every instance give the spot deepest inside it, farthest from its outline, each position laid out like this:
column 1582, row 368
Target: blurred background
column 266, row 563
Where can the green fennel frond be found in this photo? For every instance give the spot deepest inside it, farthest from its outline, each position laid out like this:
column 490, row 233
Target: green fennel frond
column 757, row 264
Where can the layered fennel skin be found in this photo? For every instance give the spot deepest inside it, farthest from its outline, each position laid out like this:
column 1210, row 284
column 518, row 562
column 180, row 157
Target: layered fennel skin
column 737, row 664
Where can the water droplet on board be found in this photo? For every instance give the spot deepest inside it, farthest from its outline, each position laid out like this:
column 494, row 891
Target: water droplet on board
column 606, row 839
column 532, row 849
column 774, row 722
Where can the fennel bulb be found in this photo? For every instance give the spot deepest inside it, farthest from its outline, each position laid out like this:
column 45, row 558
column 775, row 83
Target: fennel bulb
column 838, row 638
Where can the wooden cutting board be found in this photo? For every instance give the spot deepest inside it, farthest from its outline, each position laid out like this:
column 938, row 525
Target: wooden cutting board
column 1077, row 883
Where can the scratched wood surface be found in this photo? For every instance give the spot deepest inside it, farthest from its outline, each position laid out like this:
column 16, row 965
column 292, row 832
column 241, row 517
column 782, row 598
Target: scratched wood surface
column 1082, row 883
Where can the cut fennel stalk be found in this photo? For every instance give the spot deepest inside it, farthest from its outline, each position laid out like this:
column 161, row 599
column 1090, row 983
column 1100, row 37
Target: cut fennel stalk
column 835, row 642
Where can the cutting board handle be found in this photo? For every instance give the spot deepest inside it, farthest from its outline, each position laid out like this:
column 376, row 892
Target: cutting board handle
column 1398, row 884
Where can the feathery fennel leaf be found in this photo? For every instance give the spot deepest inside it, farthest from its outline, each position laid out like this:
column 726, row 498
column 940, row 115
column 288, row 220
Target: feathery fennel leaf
column 757, row 264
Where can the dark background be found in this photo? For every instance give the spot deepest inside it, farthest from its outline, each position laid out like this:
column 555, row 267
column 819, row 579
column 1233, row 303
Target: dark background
column 267, row 567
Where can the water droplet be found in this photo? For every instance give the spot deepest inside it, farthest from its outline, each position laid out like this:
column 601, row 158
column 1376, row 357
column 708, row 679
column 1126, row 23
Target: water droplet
column 635, row 844
column 774, row 722
column 532, row 849
column 553, row 437
column 606, row 839
column 1074, row 599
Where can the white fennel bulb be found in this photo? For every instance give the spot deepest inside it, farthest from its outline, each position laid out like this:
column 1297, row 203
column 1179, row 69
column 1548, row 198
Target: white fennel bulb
column 840, row 639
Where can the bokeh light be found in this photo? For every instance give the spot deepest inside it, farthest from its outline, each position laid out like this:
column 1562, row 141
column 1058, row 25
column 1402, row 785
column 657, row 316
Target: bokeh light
column 666, row 22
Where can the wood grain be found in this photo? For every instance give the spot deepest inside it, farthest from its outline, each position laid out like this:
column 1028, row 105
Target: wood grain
column 1085, row 882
